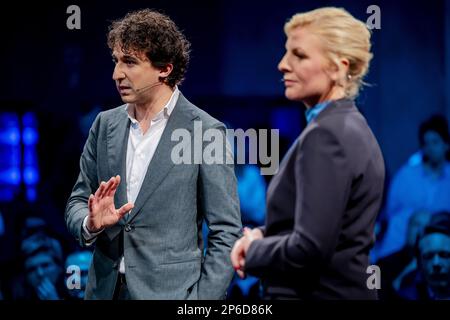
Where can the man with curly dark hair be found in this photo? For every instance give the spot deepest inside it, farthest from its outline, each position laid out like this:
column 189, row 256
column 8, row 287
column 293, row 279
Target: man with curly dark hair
column 148, row 228
column 154, row 36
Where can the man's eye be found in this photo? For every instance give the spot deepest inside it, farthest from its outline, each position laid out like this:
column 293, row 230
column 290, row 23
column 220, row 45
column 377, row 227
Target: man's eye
column 130, row 62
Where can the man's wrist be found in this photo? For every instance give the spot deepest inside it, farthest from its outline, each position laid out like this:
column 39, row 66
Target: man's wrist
column 92, row 231
column 88, row 234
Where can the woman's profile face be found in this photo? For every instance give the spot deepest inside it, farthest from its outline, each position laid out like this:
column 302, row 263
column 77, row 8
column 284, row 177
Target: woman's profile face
column 305, row 67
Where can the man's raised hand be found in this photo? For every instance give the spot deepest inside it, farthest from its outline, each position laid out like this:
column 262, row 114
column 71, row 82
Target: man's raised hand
column 102, row 211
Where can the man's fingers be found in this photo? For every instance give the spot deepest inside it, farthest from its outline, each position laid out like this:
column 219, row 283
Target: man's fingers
column 100, row 190
column 114, row 186
column 108, row 186
column 124, row 209
column 106, row 189
column 91, row 203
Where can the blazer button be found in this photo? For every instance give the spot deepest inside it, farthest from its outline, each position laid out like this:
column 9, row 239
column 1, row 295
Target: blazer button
column 128, row 227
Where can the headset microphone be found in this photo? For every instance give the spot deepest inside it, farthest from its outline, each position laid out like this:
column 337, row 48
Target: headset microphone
column 148, row 86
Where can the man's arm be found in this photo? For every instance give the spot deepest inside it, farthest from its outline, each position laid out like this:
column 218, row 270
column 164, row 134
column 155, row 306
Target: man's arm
column 87, row 182
column 220, row 205
column 322, row 190
column 88, row 213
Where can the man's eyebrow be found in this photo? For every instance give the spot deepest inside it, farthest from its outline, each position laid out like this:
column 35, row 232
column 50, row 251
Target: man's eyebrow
column 130, row 57
column 125, row 57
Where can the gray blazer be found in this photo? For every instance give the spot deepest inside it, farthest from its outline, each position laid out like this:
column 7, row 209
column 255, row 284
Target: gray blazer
column 161, row 237
column 321, row 211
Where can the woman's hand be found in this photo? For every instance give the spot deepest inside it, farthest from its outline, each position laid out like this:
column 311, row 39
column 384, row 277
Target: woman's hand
column 240, row 249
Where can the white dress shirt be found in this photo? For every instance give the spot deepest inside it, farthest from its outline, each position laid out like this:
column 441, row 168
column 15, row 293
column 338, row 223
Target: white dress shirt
column 140, row 150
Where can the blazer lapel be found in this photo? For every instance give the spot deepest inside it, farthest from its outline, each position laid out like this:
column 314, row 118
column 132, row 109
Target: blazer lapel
column 161, row 163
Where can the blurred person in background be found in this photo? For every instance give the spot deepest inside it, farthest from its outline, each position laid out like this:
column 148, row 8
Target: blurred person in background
column 397, row 267
column 421, row 185
column 43, row 269
column 429, row 279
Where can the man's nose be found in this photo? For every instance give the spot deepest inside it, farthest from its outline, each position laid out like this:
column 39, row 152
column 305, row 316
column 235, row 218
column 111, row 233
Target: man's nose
column 118, row 73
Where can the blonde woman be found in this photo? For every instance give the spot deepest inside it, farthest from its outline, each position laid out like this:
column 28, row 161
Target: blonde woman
column 322, row 204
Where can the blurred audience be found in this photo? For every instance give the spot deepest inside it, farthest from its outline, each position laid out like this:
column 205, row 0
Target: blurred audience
column 427, row 277
column 42, row 258
column 414, row 254
column 433, row 256
column 421, row 185
column 395, row 266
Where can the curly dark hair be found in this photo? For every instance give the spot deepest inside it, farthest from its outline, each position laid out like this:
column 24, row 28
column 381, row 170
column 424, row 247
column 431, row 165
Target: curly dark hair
column 156, row 35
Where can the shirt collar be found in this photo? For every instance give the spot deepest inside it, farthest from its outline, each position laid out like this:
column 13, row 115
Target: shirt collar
column 313, row 112
column 164, row 113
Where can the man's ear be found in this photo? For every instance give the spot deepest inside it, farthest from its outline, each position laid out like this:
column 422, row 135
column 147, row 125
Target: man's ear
column 166, row 70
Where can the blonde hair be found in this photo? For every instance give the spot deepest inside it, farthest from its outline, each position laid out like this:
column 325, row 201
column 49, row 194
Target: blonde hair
column 343, row 36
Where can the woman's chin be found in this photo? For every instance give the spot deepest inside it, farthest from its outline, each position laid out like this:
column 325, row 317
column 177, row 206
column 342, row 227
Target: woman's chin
column 293, row 95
